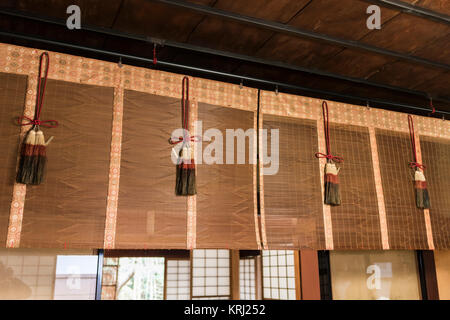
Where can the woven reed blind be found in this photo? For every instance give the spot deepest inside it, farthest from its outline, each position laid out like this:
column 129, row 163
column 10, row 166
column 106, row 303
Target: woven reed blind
column 12, row 99
column 356, row 223
column 406, row 225
column 436, row 156
column 292, row 197
column 225, row 204
column 149, row 214
column 68, row 209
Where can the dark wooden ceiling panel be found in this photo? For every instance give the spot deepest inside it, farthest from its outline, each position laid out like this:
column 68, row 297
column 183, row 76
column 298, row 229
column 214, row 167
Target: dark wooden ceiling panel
column 157, row 20
column 442, row 6
column 438, row 86
column 345, row 18
column 298, row 51
column 439, row 50
column 274, row 10
column 355, row 63
column 98, row 12
column 404, row 74
column 228, row 35
column 406, row 33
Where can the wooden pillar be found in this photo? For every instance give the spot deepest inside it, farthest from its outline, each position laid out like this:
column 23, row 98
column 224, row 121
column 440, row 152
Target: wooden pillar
column 309, row 274
column 258, row 277
column 234, row 255
column 428, row 275
column 298, row 287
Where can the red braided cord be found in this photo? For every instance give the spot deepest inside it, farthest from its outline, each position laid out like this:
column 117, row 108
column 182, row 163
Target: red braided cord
column 185, row 114
column 412, row 136
column 40, row 99
column 328, row 155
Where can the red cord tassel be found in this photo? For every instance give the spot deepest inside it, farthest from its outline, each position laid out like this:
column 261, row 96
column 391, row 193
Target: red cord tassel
column 33, row 158
column 185, row 172
column 332, row 195
column 420, row 183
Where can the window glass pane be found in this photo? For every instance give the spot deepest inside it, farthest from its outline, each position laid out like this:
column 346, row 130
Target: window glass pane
column 76, row 277
column 374, row 275
column 140, row 279
column 47, row 274
column 442, row 259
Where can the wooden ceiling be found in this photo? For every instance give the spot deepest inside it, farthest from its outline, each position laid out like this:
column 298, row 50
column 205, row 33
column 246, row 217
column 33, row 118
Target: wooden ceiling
column 401, row 32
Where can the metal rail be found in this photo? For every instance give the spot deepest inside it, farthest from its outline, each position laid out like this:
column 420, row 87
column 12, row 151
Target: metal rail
column 274, row 84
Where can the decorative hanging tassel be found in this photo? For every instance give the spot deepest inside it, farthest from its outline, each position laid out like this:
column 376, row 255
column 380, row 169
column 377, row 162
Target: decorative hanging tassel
column 185, row 184
column 420, row 184
column 332, row 194
column 33, row 156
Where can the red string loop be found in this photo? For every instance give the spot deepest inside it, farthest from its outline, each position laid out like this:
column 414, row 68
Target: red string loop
column 185, row 116
column 413, row 164
column 154, row 55
column 36, row 122
column 328, row 155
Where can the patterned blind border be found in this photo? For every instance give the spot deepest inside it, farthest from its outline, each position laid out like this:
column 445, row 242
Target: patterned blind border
column 24, row 61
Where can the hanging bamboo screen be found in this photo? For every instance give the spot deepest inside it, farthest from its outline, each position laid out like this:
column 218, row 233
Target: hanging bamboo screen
column 149, row 214
column 436, row 157
column 406, row 224
column 225, row 200
column 110, row 180
column 69, row 207
column 355, row 222
column 292, row 197
column 12, row 99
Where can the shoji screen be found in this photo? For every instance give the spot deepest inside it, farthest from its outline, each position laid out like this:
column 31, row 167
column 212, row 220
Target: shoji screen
column 69, row 208
column 436, row 156
column 279, row 282
column 211, row 274
column 12, row 100
column 247, row 278
column 149, row 213
column 178, row 279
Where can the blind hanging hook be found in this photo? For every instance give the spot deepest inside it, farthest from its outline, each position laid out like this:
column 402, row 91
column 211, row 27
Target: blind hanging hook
column 276, row 89
column 154, row 54
column 433, row 109
column 120, row 62
column 241, row 84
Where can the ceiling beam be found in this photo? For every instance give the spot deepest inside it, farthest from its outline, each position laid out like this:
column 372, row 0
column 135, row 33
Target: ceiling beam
column 287, row 29
column 274, row 84
column 412, row 9
column 226, row 54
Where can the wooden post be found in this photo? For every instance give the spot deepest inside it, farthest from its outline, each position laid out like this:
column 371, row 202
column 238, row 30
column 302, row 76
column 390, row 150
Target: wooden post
column 258, row 277
column 430, row 285
column 298, row 287
column 235, row 288
column 309, row 271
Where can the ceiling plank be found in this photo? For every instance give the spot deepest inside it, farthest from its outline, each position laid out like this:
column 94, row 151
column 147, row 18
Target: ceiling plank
column 406, row 34
column 345, row 18
column 156, row 19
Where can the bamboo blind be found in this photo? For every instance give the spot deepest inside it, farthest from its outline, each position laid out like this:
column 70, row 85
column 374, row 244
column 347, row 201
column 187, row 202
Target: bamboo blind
column 110, row 177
